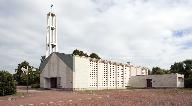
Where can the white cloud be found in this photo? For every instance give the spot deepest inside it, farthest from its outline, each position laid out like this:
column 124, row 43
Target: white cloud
column 140, row 31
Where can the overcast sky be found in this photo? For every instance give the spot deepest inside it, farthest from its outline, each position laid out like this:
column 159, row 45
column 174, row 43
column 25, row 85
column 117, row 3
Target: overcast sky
column 145, row 32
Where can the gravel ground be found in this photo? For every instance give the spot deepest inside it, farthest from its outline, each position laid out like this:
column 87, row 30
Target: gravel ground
column 132, row 97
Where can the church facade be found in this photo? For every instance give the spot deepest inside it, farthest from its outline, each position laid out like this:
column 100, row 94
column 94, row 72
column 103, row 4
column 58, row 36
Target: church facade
column 71, row 72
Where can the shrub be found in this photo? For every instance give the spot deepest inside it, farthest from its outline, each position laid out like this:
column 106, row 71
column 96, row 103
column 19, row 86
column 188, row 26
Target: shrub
column 7, row 84
column 188, row 82
column 35, row 86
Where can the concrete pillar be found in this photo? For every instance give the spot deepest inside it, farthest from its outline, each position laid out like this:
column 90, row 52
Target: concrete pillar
column 51, row 38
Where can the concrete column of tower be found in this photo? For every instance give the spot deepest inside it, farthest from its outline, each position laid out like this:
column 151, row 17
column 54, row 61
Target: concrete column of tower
column 51, row 38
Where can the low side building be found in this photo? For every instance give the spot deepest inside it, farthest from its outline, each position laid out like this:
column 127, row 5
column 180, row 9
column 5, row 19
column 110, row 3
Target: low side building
column 157, row 81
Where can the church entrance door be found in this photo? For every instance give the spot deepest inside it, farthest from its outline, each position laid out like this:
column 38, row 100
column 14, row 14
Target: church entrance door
column 53, row 82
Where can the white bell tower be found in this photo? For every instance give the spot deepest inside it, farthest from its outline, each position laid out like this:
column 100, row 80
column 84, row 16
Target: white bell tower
column 51, row 38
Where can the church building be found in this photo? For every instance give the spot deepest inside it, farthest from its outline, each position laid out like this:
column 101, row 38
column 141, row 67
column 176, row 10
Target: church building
column 72, row 72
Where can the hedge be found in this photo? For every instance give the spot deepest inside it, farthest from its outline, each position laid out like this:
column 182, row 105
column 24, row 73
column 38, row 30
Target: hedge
column 188, row 82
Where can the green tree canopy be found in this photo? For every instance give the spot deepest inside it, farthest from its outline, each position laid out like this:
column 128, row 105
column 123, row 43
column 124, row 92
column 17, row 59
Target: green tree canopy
column 159, row 71
column 7, row 84
column 20, row 76
column 184, row 67
column 94, row 55
column 80, row 53
column 33, row 75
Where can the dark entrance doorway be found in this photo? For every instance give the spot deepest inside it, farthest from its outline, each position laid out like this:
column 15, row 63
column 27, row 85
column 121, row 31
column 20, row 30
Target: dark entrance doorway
column 53, row 82
column 149, row 83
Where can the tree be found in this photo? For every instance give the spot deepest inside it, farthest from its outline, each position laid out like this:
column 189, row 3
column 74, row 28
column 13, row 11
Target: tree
column 94, row 55
column 177, row 68
column 80, row 53
column 159, row 71
column 34, row 77
column 149, row 72
column 43, row 58
column 188, row 68
column 76, row 52
column 21, row 77
column 188, row 82
column 7, row 84
column 184, row 67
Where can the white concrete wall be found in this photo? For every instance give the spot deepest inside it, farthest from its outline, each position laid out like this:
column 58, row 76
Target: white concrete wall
column 133, row 71
column 94, row 74
column 127, row 75
column 56, row 68
column 168, row 80
column 42, row 81
column 180, row 80
column 81, row 73
column 102, row 76
column 120, row 76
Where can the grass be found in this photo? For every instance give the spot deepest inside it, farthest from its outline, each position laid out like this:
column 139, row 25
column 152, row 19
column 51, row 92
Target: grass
column 102, row 90
column 18, row 94
column 133, row 89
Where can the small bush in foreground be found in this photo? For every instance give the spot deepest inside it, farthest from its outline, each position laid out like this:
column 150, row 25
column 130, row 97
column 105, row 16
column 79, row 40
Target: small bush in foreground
column 7, row 84
column 35, row 86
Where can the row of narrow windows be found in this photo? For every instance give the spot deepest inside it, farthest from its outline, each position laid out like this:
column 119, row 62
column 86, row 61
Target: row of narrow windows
column 108, row 73
column 110, row 84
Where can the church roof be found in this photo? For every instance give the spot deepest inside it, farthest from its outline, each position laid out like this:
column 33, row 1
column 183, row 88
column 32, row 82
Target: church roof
column 43, row 64
column 66, row 58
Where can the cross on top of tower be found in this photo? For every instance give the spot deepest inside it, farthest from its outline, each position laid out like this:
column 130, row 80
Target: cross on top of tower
column 51, row 6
